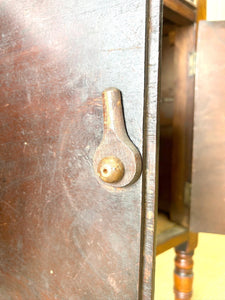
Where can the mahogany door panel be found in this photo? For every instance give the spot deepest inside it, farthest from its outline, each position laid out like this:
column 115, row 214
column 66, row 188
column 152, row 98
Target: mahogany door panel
column 63, row 234
column 208, row 172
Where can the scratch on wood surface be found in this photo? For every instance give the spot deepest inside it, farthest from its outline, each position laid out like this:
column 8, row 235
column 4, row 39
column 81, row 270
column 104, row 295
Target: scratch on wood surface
column 122, row 49
column 9, row 205
column 113, row 284
column 147, row 271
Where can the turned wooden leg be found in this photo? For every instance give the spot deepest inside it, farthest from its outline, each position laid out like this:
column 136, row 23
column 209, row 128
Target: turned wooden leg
column 183, row 273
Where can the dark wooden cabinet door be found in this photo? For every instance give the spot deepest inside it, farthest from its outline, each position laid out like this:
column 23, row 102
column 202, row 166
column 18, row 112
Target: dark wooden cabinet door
column 64, row 235
column 208, row 178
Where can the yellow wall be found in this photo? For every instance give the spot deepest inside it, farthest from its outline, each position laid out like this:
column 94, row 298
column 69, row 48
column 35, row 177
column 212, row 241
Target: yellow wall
column 215, row 10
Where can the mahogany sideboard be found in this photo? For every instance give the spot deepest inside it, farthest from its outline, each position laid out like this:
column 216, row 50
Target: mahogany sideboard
column 82, row 192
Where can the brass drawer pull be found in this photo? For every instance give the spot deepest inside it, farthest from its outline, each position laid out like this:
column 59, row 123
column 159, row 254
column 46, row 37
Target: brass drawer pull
column 117, row 161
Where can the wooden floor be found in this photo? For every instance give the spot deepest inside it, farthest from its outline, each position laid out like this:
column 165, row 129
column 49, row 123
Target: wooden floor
column 209, row 270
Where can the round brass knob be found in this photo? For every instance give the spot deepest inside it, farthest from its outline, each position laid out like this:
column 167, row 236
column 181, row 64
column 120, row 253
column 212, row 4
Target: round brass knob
column 110, row 169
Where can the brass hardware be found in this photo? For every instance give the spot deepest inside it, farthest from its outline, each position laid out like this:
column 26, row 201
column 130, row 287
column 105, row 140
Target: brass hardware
column 116, row 161
column 111, row 169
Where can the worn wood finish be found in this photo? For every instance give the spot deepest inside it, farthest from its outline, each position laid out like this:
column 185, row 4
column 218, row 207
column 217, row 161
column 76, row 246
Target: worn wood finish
column 182, row 124
column 150, row 149
column 63, row 235
column 208, row 184
column 179, row 12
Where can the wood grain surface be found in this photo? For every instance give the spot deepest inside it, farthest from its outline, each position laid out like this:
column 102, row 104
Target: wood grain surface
column 178, row 11
column 63, row 235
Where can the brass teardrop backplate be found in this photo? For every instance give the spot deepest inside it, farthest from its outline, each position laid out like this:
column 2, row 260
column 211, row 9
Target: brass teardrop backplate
column 117, row 162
